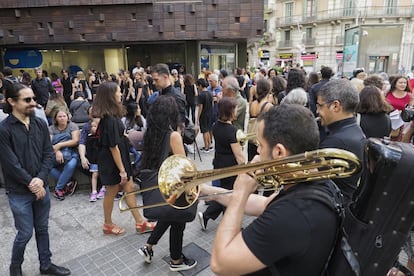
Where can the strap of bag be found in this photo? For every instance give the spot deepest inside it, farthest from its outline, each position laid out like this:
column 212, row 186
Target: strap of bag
column 334, row 204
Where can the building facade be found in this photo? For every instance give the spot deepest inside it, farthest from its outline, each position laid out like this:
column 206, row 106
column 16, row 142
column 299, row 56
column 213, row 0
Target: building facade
column 312, row 33
column 110, row 34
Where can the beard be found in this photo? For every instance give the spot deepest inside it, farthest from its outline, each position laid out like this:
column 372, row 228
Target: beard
column 30, row 111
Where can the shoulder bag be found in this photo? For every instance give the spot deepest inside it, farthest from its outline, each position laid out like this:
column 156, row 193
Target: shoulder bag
column 149, row 178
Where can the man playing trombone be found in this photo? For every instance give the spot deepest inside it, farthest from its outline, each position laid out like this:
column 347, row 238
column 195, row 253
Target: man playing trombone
column 291, row 235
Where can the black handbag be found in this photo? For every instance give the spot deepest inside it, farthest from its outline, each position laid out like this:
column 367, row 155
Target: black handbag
column 189, row 133
column 149, row 178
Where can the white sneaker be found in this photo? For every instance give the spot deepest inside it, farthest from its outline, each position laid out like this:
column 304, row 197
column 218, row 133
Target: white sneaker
column 147, row 254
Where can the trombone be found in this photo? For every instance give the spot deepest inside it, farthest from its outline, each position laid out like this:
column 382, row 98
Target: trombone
column 179, row 180
column 242, row 137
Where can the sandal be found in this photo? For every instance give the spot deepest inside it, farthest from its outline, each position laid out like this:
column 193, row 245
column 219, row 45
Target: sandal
column 113, row 229
column 145, row 227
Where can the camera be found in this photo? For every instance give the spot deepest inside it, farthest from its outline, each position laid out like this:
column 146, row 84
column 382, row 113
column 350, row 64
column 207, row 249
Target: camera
column 407, row 115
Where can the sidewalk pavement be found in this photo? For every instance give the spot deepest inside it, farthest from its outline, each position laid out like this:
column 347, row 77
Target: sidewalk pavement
column 77, row 240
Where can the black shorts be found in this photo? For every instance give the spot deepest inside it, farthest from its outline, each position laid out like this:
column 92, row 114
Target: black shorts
column 205, row 124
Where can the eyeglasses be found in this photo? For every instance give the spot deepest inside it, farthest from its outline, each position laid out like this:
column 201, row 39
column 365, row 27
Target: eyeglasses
column 320, row 105
column 29, row 99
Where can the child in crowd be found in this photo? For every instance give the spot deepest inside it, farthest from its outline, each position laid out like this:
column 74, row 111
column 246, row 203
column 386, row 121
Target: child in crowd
column 92, row 156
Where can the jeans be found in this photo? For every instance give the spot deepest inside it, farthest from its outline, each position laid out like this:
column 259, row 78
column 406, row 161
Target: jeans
column 176, row 236
column 30, row 213
column 63, row 176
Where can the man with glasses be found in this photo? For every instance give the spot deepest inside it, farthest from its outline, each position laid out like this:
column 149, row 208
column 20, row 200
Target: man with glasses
column 335, row 105
column 26, row 159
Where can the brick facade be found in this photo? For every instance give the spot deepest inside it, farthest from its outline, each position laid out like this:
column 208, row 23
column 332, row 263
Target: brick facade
column 57, row 22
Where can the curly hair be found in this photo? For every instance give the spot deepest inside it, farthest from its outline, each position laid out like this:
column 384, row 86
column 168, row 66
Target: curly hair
column 106, row 103
column 295, row 79
column 372, row 101
column 163, row 116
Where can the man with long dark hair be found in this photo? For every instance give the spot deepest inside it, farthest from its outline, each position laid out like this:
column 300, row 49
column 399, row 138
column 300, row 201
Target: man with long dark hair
column 27, row 157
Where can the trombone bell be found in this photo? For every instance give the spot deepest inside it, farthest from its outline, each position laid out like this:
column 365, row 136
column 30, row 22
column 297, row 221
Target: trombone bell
column 242, row 137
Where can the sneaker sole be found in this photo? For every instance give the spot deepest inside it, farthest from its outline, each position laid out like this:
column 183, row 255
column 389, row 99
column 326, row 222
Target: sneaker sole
column 201, row 221
column 183, row 268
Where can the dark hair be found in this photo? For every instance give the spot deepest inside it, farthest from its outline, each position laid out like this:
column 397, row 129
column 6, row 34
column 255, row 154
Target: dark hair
column 372, row 101
column 374, row 80
column 326, row 72
column 395, row 80
column 202, row 82
column 54, row 77
column 131, row 115
column 262, row 89
column 7, row 71
column 223, row 73
column 297, row 138
column 270, row 70
column 26, row 78
column 105, row 103
column 188, row 80
column 161, row 69
column 226, row 108
column 295, row 79
column 79, row 94
column 239, row 71
column 163, row 116
column 311, row 80
column 278, row 85
column 12, row 92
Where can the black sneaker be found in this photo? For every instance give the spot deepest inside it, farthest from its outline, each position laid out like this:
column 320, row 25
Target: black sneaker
column 147, row 254
column 186, row 264
column 202, row 221
column 118, row 196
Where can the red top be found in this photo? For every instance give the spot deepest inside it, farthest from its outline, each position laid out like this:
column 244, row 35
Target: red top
column 398, row 103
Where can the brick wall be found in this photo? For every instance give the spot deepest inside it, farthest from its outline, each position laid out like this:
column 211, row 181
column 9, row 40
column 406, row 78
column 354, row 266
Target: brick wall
column 58, row 22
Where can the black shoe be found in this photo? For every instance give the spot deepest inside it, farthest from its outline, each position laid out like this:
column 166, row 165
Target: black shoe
column 185, row 264
column 15, row 270
column 55, row 270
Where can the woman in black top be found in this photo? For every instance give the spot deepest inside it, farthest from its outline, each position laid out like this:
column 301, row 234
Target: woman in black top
column 161, row 138
column 114, row 165
column 373, row 110
column 190, row 91
column 228, row 152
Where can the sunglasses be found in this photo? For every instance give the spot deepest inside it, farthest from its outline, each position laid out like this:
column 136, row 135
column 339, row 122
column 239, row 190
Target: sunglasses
column 29, row 99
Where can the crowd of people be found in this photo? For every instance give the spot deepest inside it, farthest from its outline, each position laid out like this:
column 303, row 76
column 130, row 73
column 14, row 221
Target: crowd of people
column 97, row 121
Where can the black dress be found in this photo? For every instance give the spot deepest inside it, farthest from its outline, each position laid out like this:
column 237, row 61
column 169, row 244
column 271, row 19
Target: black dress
column 111, row 134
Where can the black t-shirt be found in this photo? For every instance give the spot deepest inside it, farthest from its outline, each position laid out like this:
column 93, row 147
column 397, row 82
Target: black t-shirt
column 376, row 125
column 294, row 235
column 111, row 134
column 205, row 99
column 189, row 92
column 346, row 134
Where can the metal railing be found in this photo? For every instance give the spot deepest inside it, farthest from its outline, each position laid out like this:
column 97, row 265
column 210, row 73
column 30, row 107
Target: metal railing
column 362, row 12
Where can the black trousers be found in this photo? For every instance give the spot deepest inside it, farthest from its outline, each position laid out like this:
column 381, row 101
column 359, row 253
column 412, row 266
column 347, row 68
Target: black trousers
column 176, row 236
